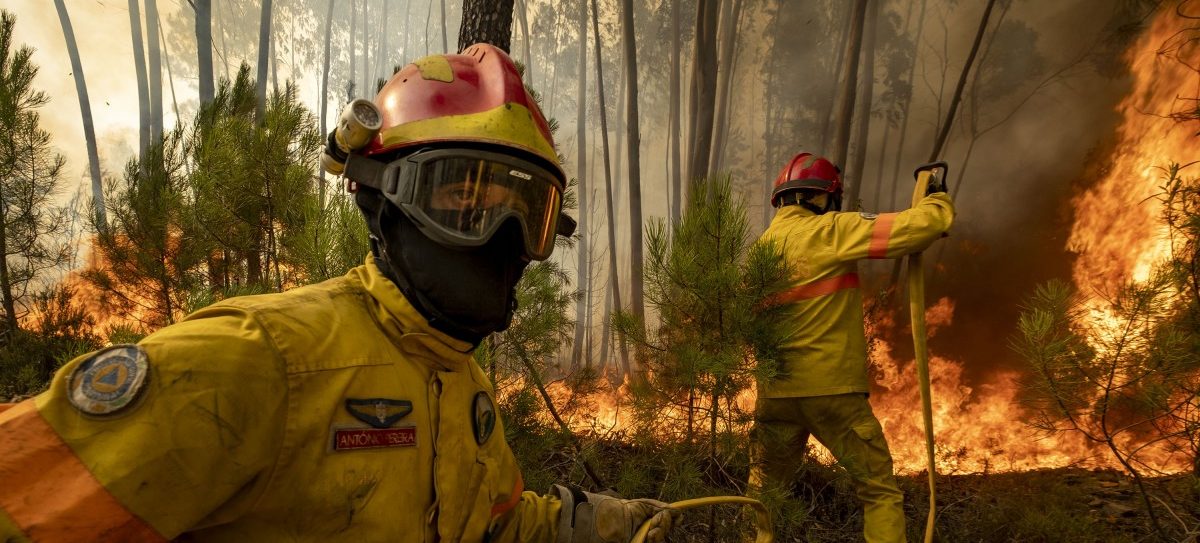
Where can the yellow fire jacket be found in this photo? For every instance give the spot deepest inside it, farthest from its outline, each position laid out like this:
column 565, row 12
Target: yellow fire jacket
column 825, row 351
column 331, row 412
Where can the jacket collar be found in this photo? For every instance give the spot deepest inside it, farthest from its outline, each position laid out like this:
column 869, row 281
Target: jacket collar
column 407, row 328
column 793, row 211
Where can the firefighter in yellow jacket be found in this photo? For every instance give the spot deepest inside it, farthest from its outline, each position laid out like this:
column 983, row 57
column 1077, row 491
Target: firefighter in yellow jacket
column 350, row 410
column 821, row 389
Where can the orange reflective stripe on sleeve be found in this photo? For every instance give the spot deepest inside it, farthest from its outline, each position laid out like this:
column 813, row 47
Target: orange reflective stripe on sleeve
column 880, row 235
column 819, row 288
column 513, row 500
column 48, row 492
column 6, row 406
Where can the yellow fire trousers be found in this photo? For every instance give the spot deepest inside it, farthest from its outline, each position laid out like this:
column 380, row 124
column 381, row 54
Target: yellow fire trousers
column 845, row 425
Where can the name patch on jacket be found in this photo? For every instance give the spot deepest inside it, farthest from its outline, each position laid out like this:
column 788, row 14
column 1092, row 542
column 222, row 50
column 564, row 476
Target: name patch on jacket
column 352, row 439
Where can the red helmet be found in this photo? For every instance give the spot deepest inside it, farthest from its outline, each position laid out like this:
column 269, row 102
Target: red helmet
column 461, row 147
column 807, row 171
column 473, row 97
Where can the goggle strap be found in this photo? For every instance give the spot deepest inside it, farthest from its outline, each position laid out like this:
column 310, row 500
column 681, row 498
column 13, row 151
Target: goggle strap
column 366, row 172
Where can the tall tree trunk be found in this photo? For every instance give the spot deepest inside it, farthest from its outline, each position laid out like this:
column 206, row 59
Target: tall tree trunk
column 224, row 49
column 523, row 12
column 85, row 110
column 383, row 54
column 366, row 52
column 6, row 283
column 704, row 87
column 486, row 21
column 325, row 97
column 155, row 76
column 582, row 188
column 166, row 54
column 139, row 70
column 855, row 173
column 203, row 49
column 407, row 17
column 673, row 130
column 725, row 68
column 841, row 140
column 907, row 105
column 264, row 47
column 557, row 68
column 274, row 63
column 353, row 93
column 962, row 82
column 836, row 74
column 876, row 200
column 445, row 37
column 633, row 136
column 614, row 281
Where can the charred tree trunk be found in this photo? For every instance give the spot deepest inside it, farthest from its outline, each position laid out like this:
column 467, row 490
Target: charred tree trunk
column 841, row 140
column 633, row 136
column 725, row 68
column 382, row 67
column 264, row 49
column 523, row 13
column 407, row 13
column 582, row 187
column 855, row 173
column 907, row 105
column 139, row 70
column 155, row 75
column 673, row 130
column 85, row 110
column 704, row 87
column 204, row 49
column 836, row 75
column 877, row 197
column 352, row 93
column 166, row 55
column 486, row 21
column 6, row 283
column 325, row 97
column 614, row 281
column 366, row 52
column 445, row 38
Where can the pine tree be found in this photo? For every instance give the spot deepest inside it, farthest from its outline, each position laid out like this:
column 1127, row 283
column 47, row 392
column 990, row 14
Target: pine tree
column 709, row 282
column 254, row 186
column 146, row 260
column 31, row 227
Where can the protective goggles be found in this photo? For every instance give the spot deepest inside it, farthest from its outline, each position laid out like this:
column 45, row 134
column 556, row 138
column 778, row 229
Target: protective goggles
column 461, row 197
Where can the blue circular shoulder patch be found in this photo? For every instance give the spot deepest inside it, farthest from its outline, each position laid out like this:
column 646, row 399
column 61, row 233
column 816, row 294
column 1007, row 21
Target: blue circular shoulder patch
column 110, row 380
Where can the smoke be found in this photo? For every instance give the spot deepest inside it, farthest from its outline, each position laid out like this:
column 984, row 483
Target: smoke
column 1012, row 201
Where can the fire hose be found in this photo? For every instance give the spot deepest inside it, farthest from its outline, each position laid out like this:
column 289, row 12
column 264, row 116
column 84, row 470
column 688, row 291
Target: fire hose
column 925, row 174
column 762, row 519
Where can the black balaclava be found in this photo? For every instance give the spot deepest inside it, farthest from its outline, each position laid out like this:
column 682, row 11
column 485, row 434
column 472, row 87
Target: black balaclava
column 465, row 292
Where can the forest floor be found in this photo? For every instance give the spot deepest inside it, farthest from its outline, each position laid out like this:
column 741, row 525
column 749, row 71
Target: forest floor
column 1053, row 505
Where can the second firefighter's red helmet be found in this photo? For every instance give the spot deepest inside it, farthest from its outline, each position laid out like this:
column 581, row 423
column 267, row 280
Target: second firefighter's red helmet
column 807, row 171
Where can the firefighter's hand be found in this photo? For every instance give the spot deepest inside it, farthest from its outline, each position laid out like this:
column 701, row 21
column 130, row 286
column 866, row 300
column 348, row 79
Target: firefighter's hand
column 596, row 518
column 936, row 184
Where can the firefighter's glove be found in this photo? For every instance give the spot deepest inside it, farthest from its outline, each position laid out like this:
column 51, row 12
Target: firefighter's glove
column 596, row 518
column 936, row 184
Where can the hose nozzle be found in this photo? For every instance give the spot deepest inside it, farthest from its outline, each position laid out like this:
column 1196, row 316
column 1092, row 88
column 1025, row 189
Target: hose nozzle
column 356, row 127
